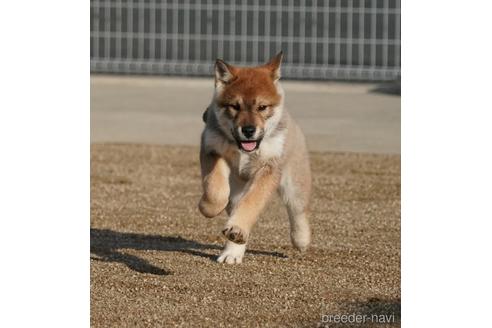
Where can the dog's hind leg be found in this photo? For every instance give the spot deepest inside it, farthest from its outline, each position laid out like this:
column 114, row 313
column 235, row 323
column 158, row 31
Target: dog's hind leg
column 294, row 191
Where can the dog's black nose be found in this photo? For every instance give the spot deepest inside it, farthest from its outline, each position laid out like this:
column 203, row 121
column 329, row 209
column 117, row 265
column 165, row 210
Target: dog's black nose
column 248, row 130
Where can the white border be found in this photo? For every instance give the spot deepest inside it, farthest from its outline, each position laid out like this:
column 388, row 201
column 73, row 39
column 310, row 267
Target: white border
column 44, row 166
column 446, row 182
column 446, row 163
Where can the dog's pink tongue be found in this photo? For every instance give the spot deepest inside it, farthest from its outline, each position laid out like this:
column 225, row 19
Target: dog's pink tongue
column 248, row 145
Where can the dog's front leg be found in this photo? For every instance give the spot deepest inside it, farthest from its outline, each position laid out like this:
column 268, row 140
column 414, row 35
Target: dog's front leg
column 245, row 212
column 215, row 182
column 247, row 209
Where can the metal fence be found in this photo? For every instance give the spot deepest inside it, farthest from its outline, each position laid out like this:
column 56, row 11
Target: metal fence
column 348, row 40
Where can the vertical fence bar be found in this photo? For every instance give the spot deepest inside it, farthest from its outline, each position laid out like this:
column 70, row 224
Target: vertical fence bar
column 278, row 30
column 129, row 41
column 244, row 31
column 337, row 32
column 186, row 32
column 91, row 26
column 95, row 33
column 174, row 35
column 107, row 28
column 373, row 35
column 326, row 33
column 221, row 33
column 163, row 33
column 256, row 13
column 385, row 33
column 362, row 37
column 209, row 30
column 119, row 22
column 152, row 29
column 267, row 11
column 141, row 31
column 290, row 30
column 314, row 33
column 397, row 33
column 302, row 34
column 350, row 35
column 198, row 30
column 232, row 43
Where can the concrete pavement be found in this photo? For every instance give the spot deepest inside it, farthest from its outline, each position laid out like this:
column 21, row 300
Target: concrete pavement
column 167, row 110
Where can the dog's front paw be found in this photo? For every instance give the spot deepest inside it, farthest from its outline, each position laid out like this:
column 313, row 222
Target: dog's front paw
column 235, row 234
column 232, row 254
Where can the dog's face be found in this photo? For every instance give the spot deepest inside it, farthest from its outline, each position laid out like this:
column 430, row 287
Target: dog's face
column 248, row 101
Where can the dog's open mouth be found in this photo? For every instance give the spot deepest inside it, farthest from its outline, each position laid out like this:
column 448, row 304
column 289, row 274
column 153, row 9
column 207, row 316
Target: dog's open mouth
column 248, row 145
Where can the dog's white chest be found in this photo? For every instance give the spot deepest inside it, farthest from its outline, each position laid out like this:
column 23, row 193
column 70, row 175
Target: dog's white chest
column 272, row 147
column 244, row 161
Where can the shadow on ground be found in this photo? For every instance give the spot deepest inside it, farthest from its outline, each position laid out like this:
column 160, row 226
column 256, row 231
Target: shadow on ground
column 389, row 88
column 107, row 244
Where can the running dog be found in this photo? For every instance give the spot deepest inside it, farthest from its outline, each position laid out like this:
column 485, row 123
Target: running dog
column 250, row 148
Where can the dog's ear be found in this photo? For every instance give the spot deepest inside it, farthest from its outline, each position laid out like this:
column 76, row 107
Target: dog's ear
column 224, row 73
column 274, row 65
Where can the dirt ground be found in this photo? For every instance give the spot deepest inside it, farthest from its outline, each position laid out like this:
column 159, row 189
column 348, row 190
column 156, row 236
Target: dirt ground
column 153, row 254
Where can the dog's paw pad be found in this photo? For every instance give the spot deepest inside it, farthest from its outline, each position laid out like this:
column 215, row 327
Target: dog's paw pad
column 235, row 234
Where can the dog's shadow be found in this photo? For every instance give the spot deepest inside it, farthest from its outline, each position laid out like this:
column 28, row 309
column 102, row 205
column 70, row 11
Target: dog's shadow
column 106, row 245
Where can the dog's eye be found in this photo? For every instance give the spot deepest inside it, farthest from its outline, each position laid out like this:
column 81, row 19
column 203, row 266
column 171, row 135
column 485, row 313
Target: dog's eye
column 262, row 108
column 233, row 106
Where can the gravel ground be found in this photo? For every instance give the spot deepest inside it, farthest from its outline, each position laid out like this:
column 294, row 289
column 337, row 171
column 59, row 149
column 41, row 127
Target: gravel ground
column 152, row 253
